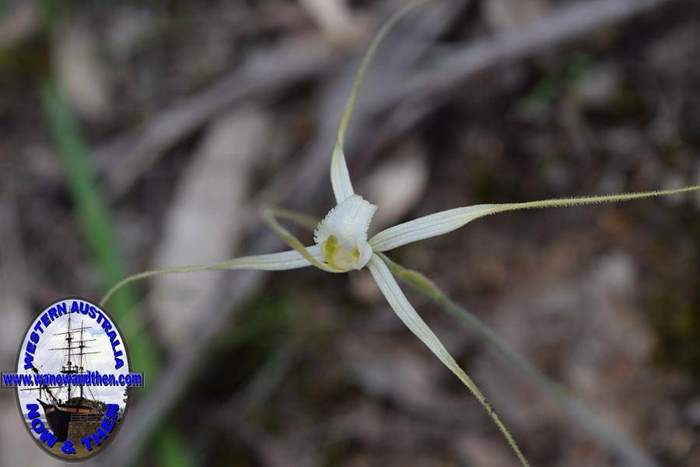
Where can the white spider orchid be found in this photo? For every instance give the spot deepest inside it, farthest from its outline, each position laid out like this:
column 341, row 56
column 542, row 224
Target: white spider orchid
column 341, row 242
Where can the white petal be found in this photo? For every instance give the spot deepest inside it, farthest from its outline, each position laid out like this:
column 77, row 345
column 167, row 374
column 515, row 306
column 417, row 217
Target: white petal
column 429, row 226
column 274, row 261
column 446, row 221
column 340, row 177
column 405, row 311
column 270, row 262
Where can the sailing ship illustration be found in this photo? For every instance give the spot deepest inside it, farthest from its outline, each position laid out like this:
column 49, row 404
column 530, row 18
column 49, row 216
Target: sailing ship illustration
column 71, row 411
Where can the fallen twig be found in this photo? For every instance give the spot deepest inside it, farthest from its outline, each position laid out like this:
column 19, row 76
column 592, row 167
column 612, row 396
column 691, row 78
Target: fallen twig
column 124, row 160
column 560, row 26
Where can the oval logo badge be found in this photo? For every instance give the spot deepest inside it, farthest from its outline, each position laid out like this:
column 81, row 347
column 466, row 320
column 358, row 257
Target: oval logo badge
column 72, row 379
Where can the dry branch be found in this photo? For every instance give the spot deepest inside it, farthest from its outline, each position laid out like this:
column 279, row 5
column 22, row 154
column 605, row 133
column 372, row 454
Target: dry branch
column 123, row 161
column 553, row 30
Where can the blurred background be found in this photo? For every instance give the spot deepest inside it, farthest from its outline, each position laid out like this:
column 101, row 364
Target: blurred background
column 136, row 135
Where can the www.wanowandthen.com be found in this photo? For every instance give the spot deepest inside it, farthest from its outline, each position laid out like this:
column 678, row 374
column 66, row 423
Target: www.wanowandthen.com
column 89, row 378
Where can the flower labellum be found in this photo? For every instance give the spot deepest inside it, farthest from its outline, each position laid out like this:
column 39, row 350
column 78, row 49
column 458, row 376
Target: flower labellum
column 342, row 234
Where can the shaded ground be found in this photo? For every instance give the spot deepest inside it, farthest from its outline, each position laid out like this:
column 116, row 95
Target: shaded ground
column 315, row 369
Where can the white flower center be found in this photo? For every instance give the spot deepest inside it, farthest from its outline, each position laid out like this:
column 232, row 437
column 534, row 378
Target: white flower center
column 342, row 234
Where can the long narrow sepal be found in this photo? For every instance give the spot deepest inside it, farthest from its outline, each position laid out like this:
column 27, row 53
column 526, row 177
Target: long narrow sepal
column 340, row 177
column 428, row 226
column 444, row 222
column 405, row 311
column 272, row 262
column 607, row 435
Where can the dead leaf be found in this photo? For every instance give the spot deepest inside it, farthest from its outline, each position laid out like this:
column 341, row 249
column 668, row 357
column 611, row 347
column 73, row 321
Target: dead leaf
column 396, row 185
column 18, row 24
column 80, row 72
column 336, row 20
column 512, row 14
column 205, row 220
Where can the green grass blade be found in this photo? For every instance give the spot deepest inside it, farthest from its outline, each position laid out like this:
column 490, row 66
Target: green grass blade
column 97, row 229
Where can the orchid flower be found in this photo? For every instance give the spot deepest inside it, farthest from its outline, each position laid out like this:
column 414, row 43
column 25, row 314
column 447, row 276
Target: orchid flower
column 341, row 242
